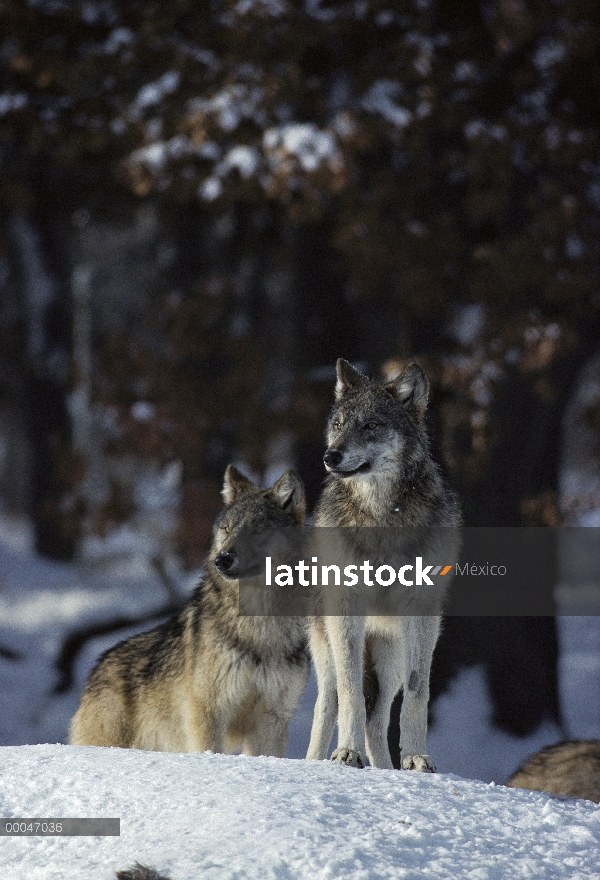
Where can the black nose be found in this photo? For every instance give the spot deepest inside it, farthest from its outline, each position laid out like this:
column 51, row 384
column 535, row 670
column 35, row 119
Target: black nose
column 332, row 457
column 225, row 562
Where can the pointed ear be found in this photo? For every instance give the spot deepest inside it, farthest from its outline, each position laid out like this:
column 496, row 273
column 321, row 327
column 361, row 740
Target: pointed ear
column 411, row 390
column 347, row 377
column 288, row 493
column 235, row 485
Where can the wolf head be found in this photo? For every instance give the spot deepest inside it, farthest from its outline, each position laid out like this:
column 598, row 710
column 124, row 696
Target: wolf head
column 373, row 427
column 253, row 510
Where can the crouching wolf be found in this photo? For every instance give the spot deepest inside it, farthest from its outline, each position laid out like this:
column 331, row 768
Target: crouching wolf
column 567, row 769
column 208, row 678
column 381, row 474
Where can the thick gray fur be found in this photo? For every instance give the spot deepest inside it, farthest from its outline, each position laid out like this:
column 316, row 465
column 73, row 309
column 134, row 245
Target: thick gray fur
column 140, row 872
column 210, row 678
column 381, row 474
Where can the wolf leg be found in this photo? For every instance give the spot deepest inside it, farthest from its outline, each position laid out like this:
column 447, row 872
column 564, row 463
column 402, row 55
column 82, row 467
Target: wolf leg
column 419, row 635
column 206, row 730
column 326, row 706
column 347, row 640
column 387, row 661
column 103, row 719
column 269, row 736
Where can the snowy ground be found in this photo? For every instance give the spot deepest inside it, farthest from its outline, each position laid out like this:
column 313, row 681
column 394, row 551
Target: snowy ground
column 226, row 817
column 234, row 818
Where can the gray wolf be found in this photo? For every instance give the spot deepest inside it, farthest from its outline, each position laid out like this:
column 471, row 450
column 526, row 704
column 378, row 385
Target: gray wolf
column 568, row 769
column 380, row 474
column 140, row 872
column 208, row 679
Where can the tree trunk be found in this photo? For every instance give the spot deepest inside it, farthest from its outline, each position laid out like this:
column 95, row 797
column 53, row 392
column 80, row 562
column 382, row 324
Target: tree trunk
column 45, row 363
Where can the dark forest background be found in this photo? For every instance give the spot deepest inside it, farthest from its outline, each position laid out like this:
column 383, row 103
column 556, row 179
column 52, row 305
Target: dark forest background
column 203, row 205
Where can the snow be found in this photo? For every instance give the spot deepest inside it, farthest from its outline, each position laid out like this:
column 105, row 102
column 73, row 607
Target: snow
column 579, row 473
column 476, row 749
column 385, row 18
column 231, row 105
column 153, row 156
column 316, row 10
column 593, row 194
column 243, row 158
column 220, row 817
column 468, row 323
column 479, row 128
column 273, row 8
column 310, row 145
column 380, row 99
column 549, row 53
column 474, row 128
column 142, row 411
column 574, row 247
column 152, row 93
column 210, row 189
column 95, row 13
column 118, row 39
column 465, row 71
column 208, row 150
column 579, row 674
column 10, row 102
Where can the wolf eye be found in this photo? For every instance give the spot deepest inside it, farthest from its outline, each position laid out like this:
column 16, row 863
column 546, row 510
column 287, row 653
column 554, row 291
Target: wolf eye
column 370, row 426
column 226, row 529
column 337, row 425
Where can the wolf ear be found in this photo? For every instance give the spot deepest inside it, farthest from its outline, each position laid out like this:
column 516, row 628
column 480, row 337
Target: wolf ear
column 411, row 390
column 347, row 377
column 288, row 493
column 235, row 485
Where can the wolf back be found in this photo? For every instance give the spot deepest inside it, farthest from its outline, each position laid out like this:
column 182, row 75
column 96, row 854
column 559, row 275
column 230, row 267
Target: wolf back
column 208, row 678
column 567, row 769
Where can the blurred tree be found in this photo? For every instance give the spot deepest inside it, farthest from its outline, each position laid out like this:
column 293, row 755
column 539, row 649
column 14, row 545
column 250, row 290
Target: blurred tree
column 435, row 164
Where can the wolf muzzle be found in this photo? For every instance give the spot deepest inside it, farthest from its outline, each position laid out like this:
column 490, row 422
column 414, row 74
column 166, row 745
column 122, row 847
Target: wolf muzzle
column 227, row 564
column 333, row 458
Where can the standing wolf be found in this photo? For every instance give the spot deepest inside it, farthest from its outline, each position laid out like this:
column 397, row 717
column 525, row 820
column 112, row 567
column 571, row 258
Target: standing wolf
column 208, row 678
column 381, row 474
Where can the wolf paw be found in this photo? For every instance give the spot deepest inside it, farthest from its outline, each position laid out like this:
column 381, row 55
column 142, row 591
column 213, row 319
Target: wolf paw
column 349, row 757
column 418, row 762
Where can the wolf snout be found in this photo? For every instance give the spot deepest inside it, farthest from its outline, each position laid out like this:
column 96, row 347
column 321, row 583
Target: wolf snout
column 333, row 458
column 227, row 563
